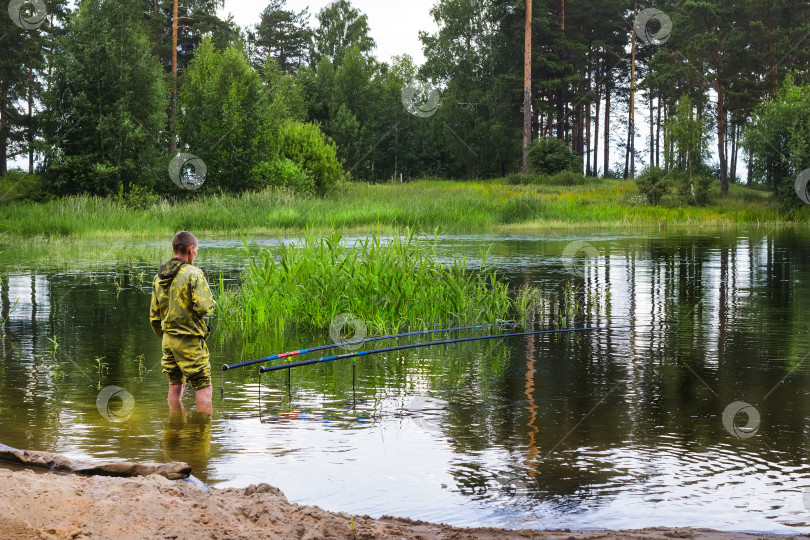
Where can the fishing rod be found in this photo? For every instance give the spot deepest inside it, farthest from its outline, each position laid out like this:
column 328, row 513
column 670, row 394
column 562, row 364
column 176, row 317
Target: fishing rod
column 279, row 356
column 356, row 354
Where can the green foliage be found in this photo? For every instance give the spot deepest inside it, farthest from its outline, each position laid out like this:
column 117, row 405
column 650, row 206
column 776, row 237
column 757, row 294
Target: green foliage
column 285, row 94
column 105, row 109
column 346, row 131
column 281, row 36
column 307, row 146
column 778, row 139
column 284, row 172
column 550, row 155
column 16, row 183
column 652, row 183
column 138, row 197
column 53, row 345
column 687, row 133
column 22, row 61
column 690, row 189
column 690, row 151
column 390, row 285
column 199, row 20
column 340, row 27
column 225, row 116
column 476, row 131
column 101, row 367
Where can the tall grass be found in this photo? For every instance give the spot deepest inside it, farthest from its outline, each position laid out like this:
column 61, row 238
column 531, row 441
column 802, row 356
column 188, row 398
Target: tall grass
column 390, row 284
column 423, row 205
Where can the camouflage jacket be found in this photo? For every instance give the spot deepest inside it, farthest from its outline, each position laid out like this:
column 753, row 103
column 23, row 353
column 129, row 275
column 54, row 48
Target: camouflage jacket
column 180, row 300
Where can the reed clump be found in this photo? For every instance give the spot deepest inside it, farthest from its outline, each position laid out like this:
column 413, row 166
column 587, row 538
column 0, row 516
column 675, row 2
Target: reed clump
column 392, row 284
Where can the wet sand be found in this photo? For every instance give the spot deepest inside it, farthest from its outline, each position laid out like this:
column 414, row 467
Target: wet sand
column 63, row 506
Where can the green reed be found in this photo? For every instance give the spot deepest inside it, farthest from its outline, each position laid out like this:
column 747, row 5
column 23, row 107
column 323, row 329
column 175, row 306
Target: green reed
column 391, row 284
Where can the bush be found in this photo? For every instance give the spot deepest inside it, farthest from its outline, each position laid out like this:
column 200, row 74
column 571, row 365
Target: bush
column 652, row 183
column 307, row 146
column 691, row 189
column 16, row 183
column 283, row 173
column 550, row 155
column 616, row 173
column 138, row 197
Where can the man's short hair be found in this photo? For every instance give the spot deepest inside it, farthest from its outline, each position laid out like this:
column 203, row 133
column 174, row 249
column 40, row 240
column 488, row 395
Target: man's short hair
column 182, row 241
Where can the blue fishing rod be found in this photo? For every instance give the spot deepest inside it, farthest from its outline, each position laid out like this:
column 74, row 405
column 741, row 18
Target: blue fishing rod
column 279, row 356
column 357, row 354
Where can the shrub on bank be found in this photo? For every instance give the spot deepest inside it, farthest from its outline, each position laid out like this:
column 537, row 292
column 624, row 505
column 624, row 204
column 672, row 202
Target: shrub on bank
column 652, row 183
column 690, row 189
column 284, row 172
column 550, row 155
column 307, row 146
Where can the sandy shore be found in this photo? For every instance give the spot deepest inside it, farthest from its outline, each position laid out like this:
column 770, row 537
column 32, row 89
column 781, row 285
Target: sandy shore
column 51, row 506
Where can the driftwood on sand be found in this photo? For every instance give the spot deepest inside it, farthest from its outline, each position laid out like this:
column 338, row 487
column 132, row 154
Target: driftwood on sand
column 175, row 470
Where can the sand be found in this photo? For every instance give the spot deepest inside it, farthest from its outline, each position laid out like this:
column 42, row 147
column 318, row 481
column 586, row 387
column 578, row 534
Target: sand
column 59, row 506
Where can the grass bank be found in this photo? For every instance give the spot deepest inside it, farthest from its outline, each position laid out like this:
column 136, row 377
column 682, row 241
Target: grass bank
column 322, row 283
column 423, row 205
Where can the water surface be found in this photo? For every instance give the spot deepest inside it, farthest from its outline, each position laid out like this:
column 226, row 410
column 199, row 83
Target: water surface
column 617, row 428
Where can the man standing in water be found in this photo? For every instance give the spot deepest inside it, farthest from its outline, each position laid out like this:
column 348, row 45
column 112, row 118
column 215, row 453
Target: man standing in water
column 180, row 300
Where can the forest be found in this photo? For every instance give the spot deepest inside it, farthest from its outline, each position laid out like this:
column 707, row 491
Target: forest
column 105, row 97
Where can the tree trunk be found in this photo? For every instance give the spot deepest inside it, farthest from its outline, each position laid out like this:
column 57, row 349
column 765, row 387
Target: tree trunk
column 658, row 135
column 527, row 87
column 652, row 131
column 3, row 132
column 606, row 160
column 596, row 125
column 30, row 126
column 735, row 149
column 173, row 104
column 721, row 139
column 632, row 127
column 627, row 155
column 588, row 140
column 750, row 181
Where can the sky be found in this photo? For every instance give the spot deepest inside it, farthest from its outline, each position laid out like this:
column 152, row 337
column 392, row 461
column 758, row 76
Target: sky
column 394, row 25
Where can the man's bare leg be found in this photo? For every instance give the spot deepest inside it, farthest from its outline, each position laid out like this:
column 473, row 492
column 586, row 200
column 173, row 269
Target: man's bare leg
column 204, row 400
column 175, row 398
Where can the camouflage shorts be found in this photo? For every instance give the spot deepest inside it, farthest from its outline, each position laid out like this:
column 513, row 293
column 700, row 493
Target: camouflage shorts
column 186, row 358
